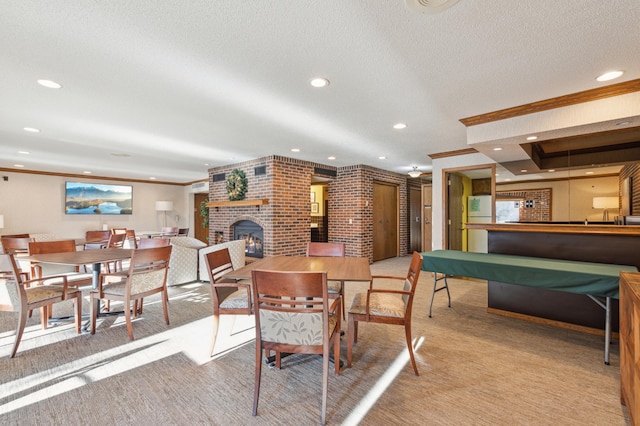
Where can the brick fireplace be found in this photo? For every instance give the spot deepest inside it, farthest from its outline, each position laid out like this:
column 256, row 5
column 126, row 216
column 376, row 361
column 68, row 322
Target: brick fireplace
column 277, row 200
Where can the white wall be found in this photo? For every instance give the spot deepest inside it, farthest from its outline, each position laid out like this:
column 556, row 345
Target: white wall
column 33, row 203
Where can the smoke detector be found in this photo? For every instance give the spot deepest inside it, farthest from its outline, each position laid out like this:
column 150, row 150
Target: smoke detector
column 429, row 6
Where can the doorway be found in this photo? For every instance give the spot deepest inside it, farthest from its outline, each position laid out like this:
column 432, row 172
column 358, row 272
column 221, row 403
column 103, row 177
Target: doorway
column 385, row 221
column 455, row 192
column 200, row 231
column 427, row 232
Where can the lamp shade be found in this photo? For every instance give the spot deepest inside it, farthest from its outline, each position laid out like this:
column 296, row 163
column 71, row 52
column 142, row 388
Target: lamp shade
column 605, row 202
column 1, row 221
column 164, row 206
column 415, row 172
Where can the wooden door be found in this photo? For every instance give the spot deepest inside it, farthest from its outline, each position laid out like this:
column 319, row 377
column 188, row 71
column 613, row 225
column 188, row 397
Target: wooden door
column 199, row 232
column 455, row 191
column 415, row 220
column 385, row 221
column 427, row 244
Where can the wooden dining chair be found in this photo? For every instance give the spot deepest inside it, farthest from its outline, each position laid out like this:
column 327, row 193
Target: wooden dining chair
column 147, row 275
column 148, row 243
column 153, row 242
column 19, row 247
column 386, row 306
column 321, row 249
column 295, row 315
column 168, row 231
column 132, row 239
column 228, row 296
column 22, row 296
column 96, row 239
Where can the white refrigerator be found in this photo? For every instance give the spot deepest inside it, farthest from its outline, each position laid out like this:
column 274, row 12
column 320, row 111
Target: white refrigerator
column 478, row 211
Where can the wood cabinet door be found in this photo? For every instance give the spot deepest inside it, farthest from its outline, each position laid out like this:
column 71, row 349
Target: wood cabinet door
column 385, row 221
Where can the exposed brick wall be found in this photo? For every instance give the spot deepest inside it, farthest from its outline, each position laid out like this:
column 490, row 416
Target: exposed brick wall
column 286, row 219
column 541, row 211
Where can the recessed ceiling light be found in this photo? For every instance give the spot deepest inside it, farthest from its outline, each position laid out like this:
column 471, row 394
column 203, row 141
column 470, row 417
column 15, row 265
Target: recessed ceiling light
column 50, row 84
column 206, row 164
column 331, row 158
column 497, row 148
column 551, row 170
column 18, row 165
column 319, row 82
column 507, row 180
column 588, row 173
column 532, row 138
column 382, row 158
column 152, row 178
column 24, row 152
column 31, row 129
column 609, row 75
column 524, row 171
column 497, row 174
column 87, row 172
column 399, row 126
column 295, row 149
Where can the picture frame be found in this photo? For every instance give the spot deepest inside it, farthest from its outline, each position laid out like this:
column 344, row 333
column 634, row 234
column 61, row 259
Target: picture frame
column 315, row 207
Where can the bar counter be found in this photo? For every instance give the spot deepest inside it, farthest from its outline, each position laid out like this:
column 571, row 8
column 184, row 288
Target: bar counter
column 612, row 244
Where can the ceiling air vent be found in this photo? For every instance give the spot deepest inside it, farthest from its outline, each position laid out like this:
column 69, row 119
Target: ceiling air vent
column 429, row 6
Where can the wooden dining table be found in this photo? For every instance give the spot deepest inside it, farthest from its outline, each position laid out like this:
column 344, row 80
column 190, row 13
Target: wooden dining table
column 83, row 257
column 337, row 268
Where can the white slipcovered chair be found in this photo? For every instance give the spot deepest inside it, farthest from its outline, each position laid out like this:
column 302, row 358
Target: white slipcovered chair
column 236, row 252
column 183, row 266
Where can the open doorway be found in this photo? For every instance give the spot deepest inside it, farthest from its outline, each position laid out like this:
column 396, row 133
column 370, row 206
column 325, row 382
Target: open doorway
column 459, row 184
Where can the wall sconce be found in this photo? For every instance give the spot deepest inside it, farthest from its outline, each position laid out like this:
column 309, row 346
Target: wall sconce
column 164, row 206
column 605, row 203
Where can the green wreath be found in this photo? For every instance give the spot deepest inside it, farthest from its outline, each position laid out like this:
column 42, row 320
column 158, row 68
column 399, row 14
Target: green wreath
column 236, row 185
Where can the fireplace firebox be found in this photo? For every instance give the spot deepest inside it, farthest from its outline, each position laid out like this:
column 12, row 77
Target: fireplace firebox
column 252, row 234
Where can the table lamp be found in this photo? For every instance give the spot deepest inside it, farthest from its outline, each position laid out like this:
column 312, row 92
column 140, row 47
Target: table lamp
column 605, row 203
column 164, row 206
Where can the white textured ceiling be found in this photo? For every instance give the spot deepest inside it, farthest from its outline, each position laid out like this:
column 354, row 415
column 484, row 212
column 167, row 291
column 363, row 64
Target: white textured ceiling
column 176, row 85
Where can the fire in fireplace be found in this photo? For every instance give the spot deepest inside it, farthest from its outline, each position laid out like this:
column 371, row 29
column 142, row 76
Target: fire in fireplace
column 253, row 236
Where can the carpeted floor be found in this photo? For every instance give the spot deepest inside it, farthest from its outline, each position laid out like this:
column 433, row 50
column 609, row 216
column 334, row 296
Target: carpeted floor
column 475, row 369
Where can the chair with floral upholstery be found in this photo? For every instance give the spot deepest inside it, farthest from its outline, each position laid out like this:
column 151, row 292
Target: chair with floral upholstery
column 229, row 297
column 147, row 275
column 386, row 306
column 295, row 315
column 322, row 249
column 17, row 295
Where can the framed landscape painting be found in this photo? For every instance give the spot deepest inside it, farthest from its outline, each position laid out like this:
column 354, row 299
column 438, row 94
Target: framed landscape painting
column 95, row 198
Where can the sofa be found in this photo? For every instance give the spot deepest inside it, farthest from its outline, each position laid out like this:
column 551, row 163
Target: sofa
column 236, row 252
column 183, row 265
